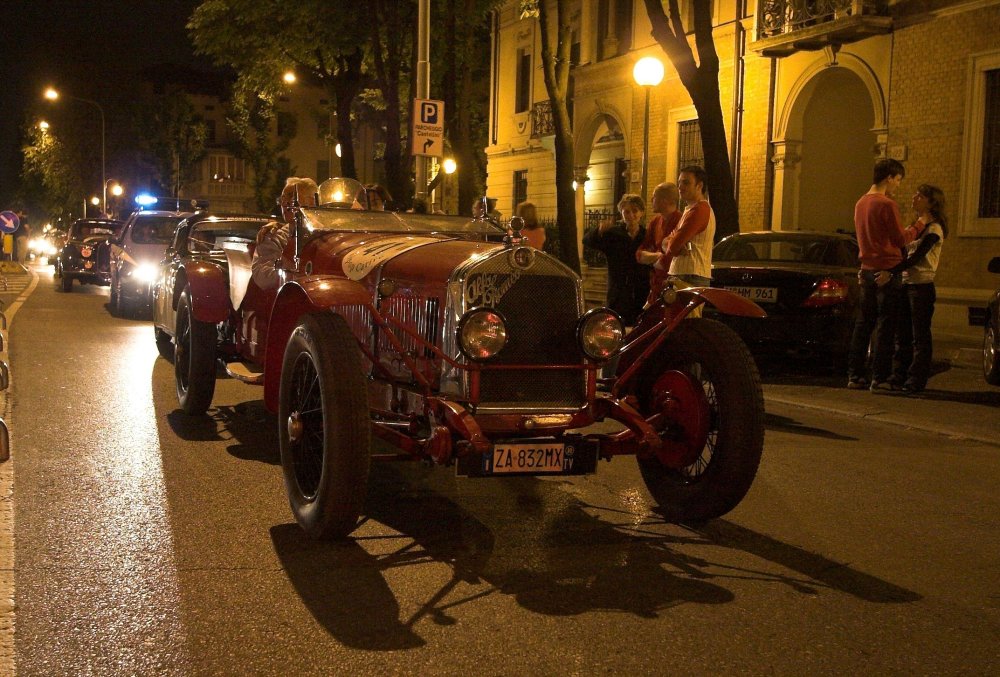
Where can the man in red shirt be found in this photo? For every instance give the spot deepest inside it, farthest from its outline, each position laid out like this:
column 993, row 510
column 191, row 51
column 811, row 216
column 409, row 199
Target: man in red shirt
column 664, row 203
column 881, row 237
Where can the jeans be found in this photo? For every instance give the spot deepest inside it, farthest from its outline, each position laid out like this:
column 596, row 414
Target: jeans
column 878, row 310
column 911, row 365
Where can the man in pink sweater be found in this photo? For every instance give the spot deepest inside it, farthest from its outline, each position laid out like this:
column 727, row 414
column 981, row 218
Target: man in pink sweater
column 881, row 237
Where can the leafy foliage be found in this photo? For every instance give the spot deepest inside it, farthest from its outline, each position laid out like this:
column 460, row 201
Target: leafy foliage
column 172, row 136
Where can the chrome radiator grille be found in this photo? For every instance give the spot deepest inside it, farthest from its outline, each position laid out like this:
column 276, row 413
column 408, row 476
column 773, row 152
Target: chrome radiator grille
column 541, row 306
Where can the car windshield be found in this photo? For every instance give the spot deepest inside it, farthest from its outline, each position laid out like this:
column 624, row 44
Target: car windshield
column 789, row 248
column 212, row 232
column 391, row 222
column 82, row 230
column 155, row 229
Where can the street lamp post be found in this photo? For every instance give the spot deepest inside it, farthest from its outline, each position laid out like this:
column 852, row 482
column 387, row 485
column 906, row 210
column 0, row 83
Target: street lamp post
column 51, row 94
column 648, row 73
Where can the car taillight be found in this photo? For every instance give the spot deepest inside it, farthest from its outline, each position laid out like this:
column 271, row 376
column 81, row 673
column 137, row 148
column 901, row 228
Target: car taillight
column 828, row 292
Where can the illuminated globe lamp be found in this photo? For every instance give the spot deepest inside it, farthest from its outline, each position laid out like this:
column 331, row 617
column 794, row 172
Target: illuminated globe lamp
column 648, row 73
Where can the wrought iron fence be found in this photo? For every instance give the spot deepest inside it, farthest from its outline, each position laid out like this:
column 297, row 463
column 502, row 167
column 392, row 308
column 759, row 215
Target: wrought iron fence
column 775, row 17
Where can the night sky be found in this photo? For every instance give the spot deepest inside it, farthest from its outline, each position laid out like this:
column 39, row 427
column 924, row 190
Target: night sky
column 88, row 48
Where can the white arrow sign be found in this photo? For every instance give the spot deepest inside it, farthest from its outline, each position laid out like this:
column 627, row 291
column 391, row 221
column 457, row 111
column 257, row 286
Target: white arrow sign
column 428, row 127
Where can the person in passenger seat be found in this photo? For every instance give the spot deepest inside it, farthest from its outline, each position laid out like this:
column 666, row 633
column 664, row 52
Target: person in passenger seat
column 273, row 237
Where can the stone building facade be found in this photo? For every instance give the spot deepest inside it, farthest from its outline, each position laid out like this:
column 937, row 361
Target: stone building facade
column 812, row 94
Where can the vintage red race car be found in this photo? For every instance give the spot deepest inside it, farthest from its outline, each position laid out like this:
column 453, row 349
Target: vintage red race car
column 456, row 349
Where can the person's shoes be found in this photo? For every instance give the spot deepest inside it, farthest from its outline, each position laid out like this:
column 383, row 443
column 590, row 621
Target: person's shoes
column 857, row 383
column 884, row 387
column 910, row 389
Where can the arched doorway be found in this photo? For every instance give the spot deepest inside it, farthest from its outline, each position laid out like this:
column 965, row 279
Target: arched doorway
column 829, row 131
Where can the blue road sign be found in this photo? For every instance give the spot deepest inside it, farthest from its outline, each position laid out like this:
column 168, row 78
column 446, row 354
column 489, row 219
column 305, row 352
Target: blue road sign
column 9, row 221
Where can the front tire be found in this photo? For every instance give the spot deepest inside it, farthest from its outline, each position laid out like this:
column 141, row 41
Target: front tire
column 194, row 359
column 991, row 354
column 705, row 388
column 324, row 427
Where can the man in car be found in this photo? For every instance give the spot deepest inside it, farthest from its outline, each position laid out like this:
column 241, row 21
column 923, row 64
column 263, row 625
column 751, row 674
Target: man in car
column 273, row 237
column 881, row 237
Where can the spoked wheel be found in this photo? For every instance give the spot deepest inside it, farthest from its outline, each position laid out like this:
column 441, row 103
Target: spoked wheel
column 324, row 426
column 703, row 394
column 991, row 354
column 194, row 359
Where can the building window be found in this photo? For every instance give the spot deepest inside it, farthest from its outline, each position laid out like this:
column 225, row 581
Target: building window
column 322, row 170
column 989, row 178
column 614, row 28
column 210, row 131
column 979, row 211
column 286, row 124
column 689, row 151
column 520, row 188
column 522, row 100
column 226, row 168
column 323, row 127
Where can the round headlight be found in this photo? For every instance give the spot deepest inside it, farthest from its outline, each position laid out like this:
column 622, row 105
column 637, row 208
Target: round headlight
column 601, row 334
column 482, row 333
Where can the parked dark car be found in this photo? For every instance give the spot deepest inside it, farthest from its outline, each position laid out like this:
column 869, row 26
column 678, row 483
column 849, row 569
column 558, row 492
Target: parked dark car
column 86, row 253
column 135, row 258
column 198, row 239
column 991, row 336
column 461, row 352
column 806, row 282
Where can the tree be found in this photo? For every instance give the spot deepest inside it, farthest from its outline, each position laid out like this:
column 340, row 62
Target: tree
column 702, row 83
column 260, row 39
column 556, row 70
column 173, row 137
column 463, row 80
column 48, row 175
column 250, row 120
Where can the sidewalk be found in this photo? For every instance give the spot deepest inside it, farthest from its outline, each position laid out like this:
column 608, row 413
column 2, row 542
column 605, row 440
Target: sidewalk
column 957, row 403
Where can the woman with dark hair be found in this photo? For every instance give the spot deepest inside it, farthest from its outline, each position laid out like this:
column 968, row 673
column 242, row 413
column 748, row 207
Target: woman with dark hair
column 533, row 233
column 911, row 364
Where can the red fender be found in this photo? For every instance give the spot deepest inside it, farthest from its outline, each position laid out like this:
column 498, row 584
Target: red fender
column 294, row 300
column 724, row 301
column 209, row 292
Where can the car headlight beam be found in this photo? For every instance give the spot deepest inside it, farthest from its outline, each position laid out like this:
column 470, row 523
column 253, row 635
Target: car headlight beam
column 482, row 334
column 601, row 333
column 144, row 272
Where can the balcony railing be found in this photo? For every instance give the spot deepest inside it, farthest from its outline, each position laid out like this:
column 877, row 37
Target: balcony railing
column 787, row 26
column 541, row 120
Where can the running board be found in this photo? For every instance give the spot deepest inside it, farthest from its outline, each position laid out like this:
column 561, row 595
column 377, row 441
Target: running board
column 242, row 371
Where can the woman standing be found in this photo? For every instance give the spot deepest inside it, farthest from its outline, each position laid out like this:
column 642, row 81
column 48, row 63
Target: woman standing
column 628, row 280
column 532, row 232
column 911, row 364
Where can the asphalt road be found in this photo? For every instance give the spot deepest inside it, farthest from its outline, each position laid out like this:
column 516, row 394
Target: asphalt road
column 147, row 542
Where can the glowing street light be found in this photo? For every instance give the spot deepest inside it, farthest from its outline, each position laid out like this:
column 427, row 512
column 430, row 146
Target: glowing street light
column 648, row 73
column 117, row 190
column 289, row 78
column 52, row 95
column 95, row 201
column 449, row 166
column 43, row 125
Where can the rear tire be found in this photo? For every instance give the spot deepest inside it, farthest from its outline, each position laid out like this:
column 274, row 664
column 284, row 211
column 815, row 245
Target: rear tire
column 324, row 428
column 724, row 383
column 67, row 282
column 194, row 359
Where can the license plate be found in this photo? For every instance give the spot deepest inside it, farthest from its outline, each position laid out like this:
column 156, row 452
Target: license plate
column 529, row 457
column 763, row 294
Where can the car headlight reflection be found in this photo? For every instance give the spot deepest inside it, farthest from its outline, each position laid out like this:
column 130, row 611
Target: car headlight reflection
column 144, row 272
column 601, row 333
column 482, row 333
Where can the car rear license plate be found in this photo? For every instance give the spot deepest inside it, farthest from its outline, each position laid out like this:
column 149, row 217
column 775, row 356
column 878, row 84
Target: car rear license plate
column 762, row 294
column 529, row 457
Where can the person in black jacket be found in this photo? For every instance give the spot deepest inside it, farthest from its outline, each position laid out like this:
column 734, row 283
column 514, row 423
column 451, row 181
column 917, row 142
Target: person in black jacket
column 628, row 280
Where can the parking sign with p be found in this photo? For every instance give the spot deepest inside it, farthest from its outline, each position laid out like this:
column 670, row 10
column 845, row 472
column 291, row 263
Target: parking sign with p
column 428, row 127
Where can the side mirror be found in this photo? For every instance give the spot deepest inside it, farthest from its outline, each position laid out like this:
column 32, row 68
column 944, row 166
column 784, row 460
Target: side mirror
column 4, row 375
